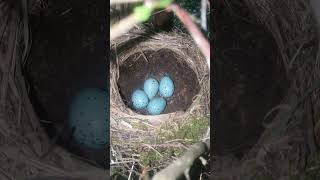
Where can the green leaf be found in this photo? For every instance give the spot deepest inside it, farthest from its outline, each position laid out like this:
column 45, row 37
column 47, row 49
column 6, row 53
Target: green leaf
column 142, row 13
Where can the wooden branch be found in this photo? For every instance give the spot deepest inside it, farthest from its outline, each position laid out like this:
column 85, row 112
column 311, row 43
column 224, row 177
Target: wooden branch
column 194, row 31
column 178, row 167
column 123, row 26
column 113, row 2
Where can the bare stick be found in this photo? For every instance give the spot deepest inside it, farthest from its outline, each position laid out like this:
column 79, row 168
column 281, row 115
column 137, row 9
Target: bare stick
column 178, row 167
column 113, row 2
column 204, row 14
column 123, row 26
column 194, row 31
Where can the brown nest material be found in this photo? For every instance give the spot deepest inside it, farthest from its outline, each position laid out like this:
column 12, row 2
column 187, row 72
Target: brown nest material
column 283, row 148
column 26, row 151
column 133, row 132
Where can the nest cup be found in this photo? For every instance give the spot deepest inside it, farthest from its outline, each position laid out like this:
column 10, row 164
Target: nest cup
column 183, row 49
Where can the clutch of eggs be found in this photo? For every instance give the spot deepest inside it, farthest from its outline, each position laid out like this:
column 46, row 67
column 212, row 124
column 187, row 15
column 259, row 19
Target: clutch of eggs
column 148, row 97
column 88, row 118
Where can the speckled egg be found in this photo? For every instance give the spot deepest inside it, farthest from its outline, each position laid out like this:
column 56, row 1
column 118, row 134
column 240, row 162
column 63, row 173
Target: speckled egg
column 166, row 87
column 89, row 118
column 156, row 106
column 139, row 99
column 151, row 87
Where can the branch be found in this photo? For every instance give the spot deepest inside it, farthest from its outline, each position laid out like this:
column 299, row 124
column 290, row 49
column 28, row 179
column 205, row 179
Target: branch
column 194, row 31
column 123, row 26
column 204, row 14
column 113, row 2
column 178, row 167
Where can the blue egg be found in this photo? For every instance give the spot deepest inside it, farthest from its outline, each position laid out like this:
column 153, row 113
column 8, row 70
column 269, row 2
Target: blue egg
column 139, row 99
column 89, row 118
column 151, row 87
column 166, row 87
column 156, row 106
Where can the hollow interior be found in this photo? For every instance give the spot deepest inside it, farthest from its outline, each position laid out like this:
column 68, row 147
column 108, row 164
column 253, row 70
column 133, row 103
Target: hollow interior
column 249, row 80
column 141, row 66
column 67, row 55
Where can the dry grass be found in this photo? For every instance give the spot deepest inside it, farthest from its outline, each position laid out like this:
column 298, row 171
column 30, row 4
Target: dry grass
column 155, row 140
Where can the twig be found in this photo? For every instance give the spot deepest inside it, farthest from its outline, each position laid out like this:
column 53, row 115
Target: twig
column 121, row 162
column 178, row 167
column 295, row 55
column 150, row 147
column 65, row 12
column 6, row 174
column 123, row 26
column 131, row 170
column 204, row 14
column 186, row 174
column 113, row 2
column 144, row 56
column 26, row 32
column 194, row 31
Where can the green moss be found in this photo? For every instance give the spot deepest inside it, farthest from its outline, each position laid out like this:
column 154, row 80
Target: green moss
column 187, row 132
column 139, row 125
column 149, row 157
column 193, row 130
column 190, row 131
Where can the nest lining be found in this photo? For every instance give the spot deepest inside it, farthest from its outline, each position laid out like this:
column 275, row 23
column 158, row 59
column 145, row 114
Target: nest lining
column 156, row 65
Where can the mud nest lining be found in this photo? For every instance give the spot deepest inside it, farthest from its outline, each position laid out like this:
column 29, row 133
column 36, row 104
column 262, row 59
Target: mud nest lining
column 141, row 66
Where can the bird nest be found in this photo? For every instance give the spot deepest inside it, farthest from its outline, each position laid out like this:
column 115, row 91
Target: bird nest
column 293, row 130
column 137, row 137
column 26, row 151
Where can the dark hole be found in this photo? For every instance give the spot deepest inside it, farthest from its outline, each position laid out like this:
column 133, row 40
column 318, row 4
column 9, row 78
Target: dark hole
column 248, row 81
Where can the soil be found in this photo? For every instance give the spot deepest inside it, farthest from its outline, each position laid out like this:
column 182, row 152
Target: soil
column 249, row 80
column 137, row 69
column 68, row 54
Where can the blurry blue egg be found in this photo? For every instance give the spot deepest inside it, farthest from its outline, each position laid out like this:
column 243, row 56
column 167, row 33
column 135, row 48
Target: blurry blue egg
column 166, row 87
column 151, row 87
column 156, row 106
column 89, row 118
column 139, row 99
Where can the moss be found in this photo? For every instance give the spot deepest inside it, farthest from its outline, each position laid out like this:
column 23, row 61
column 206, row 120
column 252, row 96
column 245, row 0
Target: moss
column 139, row 125
column 187, row 132
column 191, row 131
column 149, row 157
